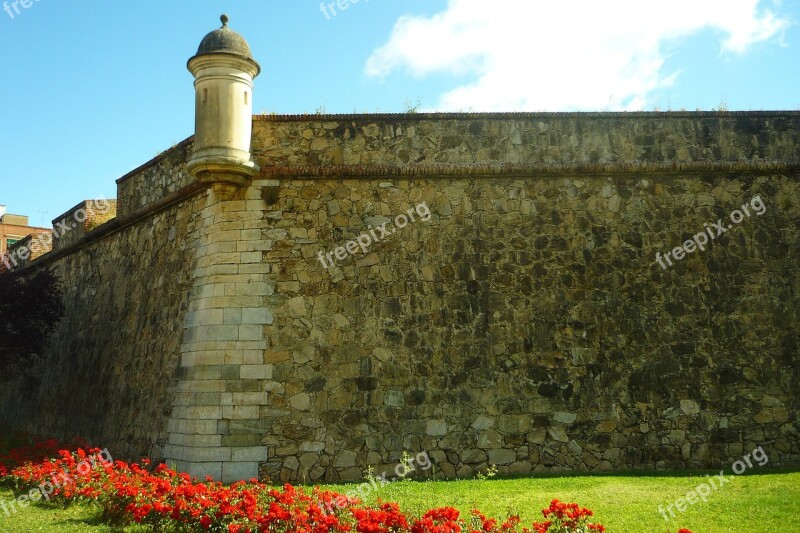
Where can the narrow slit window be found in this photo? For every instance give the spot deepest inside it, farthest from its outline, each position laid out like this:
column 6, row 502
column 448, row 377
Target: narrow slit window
column 246, row 96
column 205, row 95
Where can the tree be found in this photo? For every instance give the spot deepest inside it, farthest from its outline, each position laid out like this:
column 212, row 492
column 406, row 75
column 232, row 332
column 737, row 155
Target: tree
column 30, row 306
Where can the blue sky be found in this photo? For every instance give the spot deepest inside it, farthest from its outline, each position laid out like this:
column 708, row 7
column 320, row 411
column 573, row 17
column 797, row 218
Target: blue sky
column 91, row 90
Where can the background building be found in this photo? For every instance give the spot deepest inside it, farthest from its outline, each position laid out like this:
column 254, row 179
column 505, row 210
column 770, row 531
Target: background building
column 14, row 228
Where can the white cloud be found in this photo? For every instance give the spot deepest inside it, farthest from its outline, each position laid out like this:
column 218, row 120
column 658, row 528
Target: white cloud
column 563, row 54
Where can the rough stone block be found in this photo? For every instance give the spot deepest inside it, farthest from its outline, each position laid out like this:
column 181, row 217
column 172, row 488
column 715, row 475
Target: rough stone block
column 256, row 315
column 483, row 422
column 312, row 447
column 250, row 257
column 436, row 428
column 218, row 332
column 256, row 427
column 351, row 474
column 249, row 398
column 301, row 402
column 502, row 456
column 232, row 316
column 180, row 439
column 205, row 454
column 557, row 433
column 489, row 439
column 345, row 459
column 473, row 456
column 256, row 371
column 251, row 453
column 690, row 407
column 564, row 418
column 201, row 470
column 237, row 442
column 240, row 412
column 232, row 472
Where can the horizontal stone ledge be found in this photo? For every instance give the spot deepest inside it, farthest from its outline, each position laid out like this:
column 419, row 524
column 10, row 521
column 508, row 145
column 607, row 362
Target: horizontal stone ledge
column 530, row 169
column 416, row 117
column 193, row 427
column 225, row 471
column 121, row 222
column 239, row 471
column 194, row 440
column 197, row 454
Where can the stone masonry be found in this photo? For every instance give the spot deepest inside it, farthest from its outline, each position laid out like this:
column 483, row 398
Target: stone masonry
column 222, row 356
column 525, row 324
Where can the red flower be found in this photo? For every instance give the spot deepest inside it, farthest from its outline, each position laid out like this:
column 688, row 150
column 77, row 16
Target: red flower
column 566, row 517
column 166, row 500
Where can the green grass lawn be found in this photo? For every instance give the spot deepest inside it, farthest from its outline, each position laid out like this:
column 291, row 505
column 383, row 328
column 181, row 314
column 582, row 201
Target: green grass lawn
column 53, row 518
column 752, row 503
column 629, row 504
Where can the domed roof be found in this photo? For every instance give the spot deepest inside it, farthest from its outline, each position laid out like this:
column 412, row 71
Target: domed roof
column 225, row 41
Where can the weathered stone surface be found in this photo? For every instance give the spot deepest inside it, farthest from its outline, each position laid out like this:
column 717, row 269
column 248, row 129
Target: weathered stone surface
column 483, row 422
column 522, row 467
column 473, row 456
column 564, row 418
column 448, row 470
column 537, row 436
column 345, row 458
column 558, row 433
column 690, row 407
column 436, row 428
column 574, row 448
column 490, row 439
column 308, row 460
column 606, row 426
column 469, row 334
column 301, row 402
column 501, row 456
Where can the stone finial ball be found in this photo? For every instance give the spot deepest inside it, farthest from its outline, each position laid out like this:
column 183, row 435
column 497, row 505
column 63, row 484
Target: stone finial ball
column 224, row 18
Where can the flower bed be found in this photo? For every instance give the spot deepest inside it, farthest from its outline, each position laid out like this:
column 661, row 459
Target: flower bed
column 164, row 499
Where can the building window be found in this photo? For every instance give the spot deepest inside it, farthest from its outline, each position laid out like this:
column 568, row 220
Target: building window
column 11, row 242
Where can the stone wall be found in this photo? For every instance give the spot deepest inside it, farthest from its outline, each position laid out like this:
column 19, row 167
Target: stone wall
column 521, row 319
column 156, row 179
column 224, row 382
column 76, row 223
column 626, row 141
column 111, row 369
column 527, row 324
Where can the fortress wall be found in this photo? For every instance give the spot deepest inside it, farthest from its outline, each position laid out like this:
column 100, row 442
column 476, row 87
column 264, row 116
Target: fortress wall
column 79, row 221
column 626, row 139
column 527, row 323
column 155, row 180
column 112, row 361
column 524, row 323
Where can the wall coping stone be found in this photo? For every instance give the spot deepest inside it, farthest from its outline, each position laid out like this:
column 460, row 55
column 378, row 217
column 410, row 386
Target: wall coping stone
column 524, row 115
column 531, row 169
column 119, row 223
column 155, row 160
